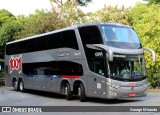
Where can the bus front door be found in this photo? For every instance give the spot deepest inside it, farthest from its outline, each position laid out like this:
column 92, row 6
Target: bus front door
column 97, row 81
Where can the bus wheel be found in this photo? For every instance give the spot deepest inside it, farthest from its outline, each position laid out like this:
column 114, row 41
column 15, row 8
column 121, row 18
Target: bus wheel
column 81, row 93
column 68, row 92
column 21, row 86
column 15, row 85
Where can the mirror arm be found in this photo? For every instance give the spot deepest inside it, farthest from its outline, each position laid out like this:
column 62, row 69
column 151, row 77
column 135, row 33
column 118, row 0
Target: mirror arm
column 152, row 52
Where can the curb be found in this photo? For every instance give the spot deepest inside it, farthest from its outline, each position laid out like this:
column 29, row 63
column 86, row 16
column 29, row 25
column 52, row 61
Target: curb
column 153, row 90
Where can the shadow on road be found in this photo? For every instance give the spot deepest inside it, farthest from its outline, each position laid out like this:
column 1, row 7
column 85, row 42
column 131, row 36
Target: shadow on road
column 112, row 101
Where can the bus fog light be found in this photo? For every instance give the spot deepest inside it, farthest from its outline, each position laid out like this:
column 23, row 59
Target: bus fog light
column 116, row 86
column 113, row 93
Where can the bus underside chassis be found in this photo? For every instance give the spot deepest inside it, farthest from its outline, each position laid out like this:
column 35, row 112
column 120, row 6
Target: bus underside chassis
column 18, row 84
column 78, row 90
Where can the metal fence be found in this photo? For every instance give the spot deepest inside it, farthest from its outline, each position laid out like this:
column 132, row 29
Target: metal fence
column 2, row 82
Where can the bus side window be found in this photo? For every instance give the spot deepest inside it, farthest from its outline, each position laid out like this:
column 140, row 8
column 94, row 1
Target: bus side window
column 91, row 64
column 53, row 40
column 90, row 35
column 69, row 68
column 97, row 66
column 69, row 39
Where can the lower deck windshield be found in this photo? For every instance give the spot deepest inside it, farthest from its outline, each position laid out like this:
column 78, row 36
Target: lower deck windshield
column 125, row 67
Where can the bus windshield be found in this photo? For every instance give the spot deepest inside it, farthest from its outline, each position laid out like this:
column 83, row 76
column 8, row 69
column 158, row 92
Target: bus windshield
column 127, row 67
column 120, row 36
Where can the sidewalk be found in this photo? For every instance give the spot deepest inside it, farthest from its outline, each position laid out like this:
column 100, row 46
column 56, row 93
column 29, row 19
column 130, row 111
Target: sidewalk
column 153, row 90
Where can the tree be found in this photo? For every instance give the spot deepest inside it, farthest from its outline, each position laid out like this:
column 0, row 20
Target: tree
column 153, row 1
column 8, row 32
column 38, row 23
column 145, row 20
column 68, row 10
column 8, row 29
column 110, row 14
column 5, row 16
column 62, row 2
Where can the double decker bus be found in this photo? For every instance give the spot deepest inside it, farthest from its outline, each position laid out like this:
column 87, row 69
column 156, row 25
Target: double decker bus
column 100, row 60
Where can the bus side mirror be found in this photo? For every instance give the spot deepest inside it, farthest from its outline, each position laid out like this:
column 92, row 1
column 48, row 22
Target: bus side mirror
column 153, row 53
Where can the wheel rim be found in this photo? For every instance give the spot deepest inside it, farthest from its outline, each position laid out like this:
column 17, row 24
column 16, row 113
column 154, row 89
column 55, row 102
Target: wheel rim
column 15, row 85
column 21, row 86
column 79, row 91
column 66, row 90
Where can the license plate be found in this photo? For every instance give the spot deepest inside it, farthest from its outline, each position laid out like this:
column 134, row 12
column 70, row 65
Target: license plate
column 132, row 95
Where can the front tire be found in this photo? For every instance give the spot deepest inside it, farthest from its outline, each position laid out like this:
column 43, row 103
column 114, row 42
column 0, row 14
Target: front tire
column 81, row 93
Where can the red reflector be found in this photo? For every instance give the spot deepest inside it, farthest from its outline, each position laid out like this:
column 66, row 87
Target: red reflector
column 71, row 77
column 132, row 95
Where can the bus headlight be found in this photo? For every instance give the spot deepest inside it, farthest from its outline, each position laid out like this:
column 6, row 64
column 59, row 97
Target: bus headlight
column 116, row 86
column 113, row 93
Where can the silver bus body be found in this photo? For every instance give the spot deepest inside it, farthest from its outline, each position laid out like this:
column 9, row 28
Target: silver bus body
column 85, row 60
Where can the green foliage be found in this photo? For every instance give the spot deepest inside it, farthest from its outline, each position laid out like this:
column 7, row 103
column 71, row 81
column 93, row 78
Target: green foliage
column 145, row 19
column 153, row 1
column 1, row 74
column 2, row 79
column 110, row 14
column 71, row 16
column 8, row 29
column 5, row 16
column 8, row 32
column 38, row 23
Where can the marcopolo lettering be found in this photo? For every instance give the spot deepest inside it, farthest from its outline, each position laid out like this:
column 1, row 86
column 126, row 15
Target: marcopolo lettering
column 15, row 63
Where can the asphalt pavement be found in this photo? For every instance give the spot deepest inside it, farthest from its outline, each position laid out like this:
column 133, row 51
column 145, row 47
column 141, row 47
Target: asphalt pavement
column 9, row 97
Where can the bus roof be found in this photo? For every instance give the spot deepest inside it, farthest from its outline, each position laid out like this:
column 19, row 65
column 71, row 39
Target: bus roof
column 68, row 28
column 101, row 23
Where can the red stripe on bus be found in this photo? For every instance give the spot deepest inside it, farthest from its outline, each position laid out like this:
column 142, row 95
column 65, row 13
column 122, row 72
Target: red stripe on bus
column 69, row 76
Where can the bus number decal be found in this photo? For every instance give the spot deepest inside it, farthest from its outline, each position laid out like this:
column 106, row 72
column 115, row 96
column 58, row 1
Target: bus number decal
column 15, row 63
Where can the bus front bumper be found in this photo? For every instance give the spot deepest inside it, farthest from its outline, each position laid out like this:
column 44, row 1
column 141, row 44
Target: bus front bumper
column 126, row 92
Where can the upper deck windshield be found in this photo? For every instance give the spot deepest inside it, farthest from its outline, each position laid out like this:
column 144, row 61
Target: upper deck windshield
column 121, row 37
column 128, row 68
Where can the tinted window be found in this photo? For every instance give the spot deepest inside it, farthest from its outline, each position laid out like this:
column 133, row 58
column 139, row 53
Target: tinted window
column 97, row 66
column 96, row 61
column 29, row 45
column 54, row 40
column 69, row 39
column 53, row 68
column 69, row 68
column 65, row 39
column 90, row 35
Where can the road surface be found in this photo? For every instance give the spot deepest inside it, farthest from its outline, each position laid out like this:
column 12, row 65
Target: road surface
column 9, row 97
